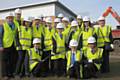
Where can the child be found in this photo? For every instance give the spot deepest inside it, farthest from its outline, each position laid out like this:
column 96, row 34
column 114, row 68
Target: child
column 73, row 61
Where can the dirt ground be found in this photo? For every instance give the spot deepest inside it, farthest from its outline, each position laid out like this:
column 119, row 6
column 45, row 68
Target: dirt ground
column 113, row 75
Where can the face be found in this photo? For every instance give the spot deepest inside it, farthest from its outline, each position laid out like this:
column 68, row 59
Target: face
column 27, row 24
column 10, row 19
column 74, row 28
column 73, row 48
column 65, row 23
column 101, row 23
column 79, row 21
column 86, row 23
column 60, row 30
column 49, row 25
column 55, row 24
column 18, row 16
column 37, row 45
column 92, row 45
column 37, row 21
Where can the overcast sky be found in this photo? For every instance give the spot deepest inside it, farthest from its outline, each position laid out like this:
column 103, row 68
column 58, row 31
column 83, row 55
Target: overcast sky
column 92, row 8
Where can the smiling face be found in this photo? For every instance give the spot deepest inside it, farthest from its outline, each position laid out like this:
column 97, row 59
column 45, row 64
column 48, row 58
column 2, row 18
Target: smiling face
column 86, row 23
column 92, row 45
column 18, row 16
column 9, row 18
column 73, row 48
column 37, row 45
column 101, row 23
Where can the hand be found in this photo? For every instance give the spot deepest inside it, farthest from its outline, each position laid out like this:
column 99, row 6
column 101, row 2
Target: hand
column 1, row 49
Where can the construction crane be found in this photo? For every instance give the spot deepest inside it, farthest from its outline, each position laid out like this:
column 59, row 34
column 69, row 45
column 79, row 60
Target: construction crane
column 116, row 32
column 113, row 13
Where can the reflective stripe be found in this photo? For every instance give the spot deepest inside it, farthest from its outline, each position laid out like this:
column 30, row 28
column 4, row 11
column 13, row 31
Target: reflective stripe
column 25, row 39
column 47, row 39
column 48, row 45
column 25, row 45
column 60, row 47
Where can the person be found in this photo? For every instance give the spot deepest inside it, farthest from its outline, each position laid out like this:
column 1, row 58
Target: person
column 85, row 33
column 74, row 57
column 47, row 45
column 104, row 36
column 17, row 19
column 73, row 33
column 92, row 57
column 58, row 60
column 7, row 45
column 24, row 41
column 60, row 15
column 34, row 56
column 80, row 21
column 56, row 21
column 37, row 28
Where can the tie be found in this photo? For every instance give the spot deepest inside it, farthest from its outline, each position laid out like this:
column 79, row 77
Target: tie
column 73, row 58
column 61, row 36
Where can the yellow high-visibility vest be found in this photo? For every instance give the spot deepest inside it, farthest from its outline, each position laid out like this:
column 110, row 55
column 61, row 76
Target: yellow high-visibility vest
column 25, row 37
column 37, row 32
column 60, row 47
column 48, row 39
column 33, row 55
column 86, row 35
column 78, row 57
column 103, row 35
column 9, row 35
column 96, row 55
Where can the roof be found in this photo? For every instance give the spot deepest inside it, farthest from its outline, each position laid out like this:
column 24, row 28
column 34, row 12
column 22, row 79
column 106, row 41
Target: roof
column 44, row 2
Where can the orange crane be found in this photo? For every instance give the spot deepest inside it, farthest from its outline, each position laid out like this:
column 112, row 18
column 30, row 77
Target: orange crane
column 116, row 32
column 113, row 13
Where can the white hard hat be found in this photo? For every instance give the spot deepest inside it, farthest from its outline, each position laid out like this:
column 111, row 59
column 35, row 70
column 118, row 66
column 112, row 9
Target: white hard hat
column 101, row 18
column 73, row 43
column 10, row 14
column 36, row 17
column 18, row 11
column 48, row 20
column 79, row 17
column 74, row 23
column 60, row 25
column 27, row 19
column 36, row 40
column 57, row 20
column 91, row 40
column 60, row 15
column 86, row 18
column 65, row 19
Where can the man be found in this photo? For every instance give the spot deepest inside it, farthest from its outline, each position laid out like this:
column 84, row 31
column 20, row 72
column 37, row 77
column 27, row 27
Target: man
column 86, row 33
column 80, row 21
column 60, row 15
column 59, row 50
column 73, row 32
column 47, row 46
column 74, row 57
column 92, row 57
column 35, row 58
column 7, row 45
column 104, row 36
column 17, row 19
column 23, row 44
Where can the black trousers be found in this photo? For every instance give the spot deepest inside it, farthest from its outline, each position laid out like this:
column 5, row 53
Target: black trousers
column 105, row 68
column 89, row 70
column 58, row 67
column 47, row 62
column 8, row 61
column 74, row 72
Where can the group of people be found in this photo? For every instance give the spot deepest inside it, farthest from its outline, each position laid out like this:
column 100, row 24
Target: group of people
column 60, row 47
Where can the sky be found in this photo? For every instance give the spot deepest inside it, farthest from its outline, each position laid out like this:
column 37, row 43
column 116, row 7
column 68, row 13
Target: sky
column 91, row 8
